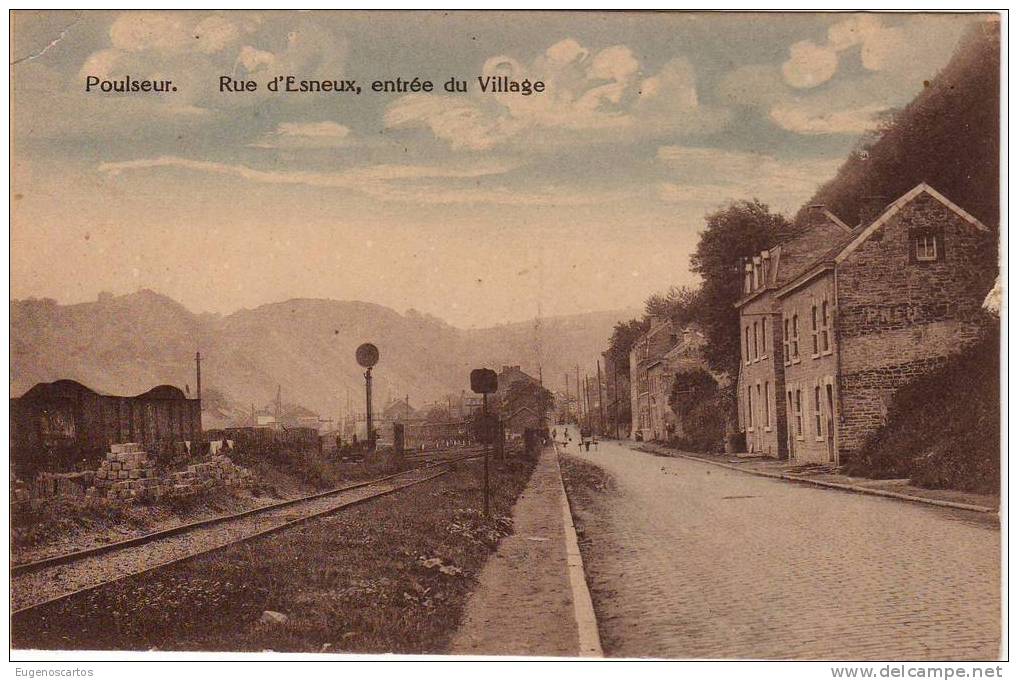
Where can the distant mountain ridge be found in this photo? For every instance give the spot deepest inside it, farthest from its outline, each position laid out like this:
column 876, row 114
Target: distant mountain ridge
column 127, row 344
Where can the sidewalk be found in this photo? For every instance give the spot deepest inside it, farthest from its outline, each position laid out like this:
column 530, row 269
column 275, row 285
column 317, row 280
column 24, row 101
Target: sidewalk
column 531, row 598
column 825, row 476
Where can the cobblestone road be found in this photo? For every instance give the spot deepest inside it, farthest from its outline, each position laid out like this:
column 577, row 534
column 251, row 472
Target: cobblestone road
column 694, row 561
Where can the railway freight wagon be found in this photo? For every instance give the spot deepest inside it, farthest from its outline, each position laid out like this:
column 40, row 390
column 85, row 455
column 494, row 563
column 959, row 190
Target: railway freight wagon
column 61, row 425
column 422, row 436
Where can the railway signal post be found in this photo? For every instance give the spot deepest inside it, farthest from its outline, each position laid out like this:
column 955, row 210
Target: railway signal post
column 485, row 382
column 367, row 357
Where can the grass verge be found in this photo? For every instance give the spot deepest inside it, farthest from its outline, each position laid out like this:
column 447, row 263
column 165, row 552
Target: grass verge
column 589, row 488
column 390, row 575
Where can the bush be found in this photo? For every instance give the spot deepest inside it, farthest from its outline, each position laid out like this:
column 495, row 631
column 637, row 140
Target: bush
column 701, row 408
column 943, row 428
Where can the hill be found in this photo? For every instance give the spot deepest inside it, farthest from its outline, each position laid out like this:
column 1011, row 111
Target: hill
column 126, row 344
column 948, row 136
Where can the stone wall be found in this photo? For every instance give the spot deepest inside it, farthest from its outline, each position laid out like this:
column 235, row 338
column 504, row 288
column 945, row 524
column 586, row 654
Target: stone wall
column 898, row 317
column 128, row 473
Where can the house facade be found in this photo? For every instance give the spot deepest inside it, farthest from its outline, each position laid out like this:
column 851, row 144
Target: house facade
column 888, row 301
column 761, row 381
column 646, row 378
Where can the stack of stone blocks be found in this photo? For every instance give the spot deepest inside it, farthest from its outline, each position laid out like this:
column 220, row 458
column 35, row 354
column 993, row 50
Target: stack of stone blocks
column 127, row 474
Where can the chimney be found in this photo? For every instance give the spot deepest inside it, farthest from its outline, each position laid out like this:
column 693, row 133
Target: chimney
column 870, row 207
column 816, row 214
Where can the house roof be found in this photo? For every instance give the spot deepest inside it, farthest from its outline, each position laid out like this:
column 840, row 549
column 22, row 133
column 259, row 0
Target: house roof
column 791, row 255
column 847, row 245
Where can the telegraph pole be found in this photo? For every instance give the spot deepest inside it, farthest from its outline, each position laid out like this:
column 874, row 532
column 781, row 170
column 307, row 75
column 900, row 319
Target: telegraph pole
column 615, row 377
column 586, row 399
column 579, row 399
column 600, row 402
column 197, row 369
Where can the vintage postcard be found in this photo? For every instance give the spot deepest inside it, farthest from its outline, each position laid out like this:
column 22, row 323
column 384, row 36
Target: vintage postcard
column 587, row 334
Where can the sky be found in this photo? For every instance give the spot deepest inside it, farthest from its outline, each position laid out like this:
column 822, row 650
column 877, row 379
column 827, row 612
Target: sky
column 478, row 208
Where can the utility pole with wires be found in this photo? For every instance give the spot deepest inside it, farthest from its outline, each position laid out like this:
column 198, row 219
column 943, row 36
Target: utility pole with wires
column 600, row 402
column 579, row 399
column 615, row 377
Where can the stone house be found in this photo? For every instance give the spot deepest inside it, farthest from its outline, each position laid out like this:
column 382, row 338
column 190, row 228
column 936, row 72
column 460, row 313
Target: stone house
column 848, row 325
column 887, row 303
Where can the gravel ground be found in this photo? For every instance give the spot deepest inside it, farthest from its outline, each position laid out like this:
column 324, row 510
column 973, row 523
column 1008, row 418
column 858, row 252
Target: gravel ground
column 141, row 522
column 50, row 583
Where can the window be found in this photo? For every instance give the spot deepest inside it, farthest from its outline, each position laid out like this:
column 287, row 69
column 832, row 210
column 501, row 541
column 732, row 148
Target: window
column 926, row 247
column 815, row 330
column 798, row 412
column 767, row 404
column 795, row 337
column 816, row 412
column 756, row 344
column 747, row 344
column 785, row 341
column 763, row 337
column 749, row 406
column 825, row 327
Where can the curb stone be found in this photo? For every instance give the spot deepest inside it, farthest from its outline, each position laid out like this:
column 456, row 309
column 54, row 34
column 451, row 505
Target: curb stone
column 586, row 621
column 833, row 485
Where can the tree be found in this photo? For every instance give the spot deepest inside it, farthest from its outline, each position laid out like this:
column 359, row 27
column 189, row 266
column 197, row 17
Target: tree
column 740, row 229
column 701, row 409
column 680, row 303
column 621, row 342
column 690, row 388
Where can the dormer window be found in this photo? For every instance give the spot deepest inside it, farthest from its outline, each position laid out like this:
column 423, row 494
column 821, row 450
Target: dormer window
column 926, row 247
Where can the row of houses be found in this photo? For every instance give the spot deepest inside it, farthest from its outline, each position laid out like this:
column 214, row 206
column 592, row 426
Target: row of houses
column 656, row 357
column 833, row 320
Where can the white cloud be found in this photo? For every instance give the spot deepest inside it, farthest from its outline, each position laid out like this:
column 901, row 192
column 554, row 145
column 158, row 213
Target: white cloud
column 602, row 93
column 917, row 44
column 814, row 118
column 215, row 33
column 439, row 185
column 712, row 176
column 809, row 64
column 321, row 134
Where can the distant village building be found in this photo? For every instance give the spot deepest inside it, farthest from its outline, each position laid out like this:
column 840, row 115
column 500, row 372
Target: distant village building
column 827, row 342
column 522, row 419
column 644, row 358
column 400, row 410
column 513, row 374
column 617, row 397
column 664, row 350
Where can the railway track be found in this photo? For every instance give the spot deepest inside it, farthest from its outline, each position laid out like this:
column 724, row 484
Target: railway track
column 56, row 578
